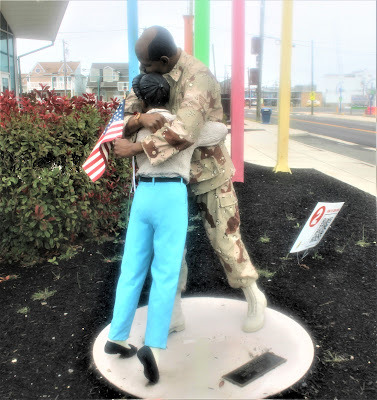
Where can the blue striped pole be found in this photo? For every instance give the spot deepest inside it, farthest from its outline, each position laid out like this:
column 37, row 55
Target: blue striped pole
column 132, row 22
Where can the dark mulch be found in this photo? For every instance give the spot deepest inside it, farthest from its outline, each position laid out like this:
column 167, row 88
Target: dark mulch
column 47, row 353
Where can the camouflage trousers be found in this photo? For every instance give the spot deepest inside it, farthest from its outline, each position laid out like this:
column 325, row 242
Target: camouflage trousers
column 221, row 218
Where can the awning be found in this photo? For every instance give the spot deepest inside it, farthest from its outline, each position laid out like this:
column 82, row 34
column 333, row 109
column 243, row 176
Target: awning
column 36, row 19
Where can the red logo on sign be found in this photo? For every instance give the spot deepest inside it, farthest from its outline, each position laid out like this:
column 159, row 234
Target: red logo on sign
column 317, row 216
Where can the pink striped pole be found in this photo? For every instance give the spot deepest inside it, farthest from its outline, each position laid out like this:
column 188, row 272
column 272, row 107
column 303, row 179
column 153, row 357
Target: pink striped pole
column 237, row 88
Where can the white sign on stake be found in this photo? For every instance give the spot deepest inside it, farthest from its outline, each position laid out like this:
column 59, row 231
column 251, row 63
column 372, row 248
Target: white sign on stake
column 316, row 226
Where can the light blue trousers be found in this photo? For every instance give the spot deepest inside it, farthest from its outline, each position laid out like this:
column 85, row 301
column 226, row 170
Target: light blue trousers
column 157, row 228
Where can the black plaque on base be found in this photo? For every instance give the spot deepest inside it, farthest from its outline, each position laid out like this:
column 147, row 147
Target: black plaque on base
column 254, row 369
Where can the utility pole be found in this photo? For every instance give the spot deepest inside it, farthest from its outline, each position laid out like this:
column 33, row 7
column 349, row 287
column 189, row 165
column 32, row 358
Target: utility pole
column 65, row 70
column 260, row 59
column 312, row 84
column 248, row 86
column 214, row 63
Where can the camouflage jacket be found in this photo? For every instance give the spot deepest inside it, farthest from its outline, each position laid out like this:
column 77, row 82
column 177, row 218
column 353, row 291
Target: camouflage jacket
column 194, row 98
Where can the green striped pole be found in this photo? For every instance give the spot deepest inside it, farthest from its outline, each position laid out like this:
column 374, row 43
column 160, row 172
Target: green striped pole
column 201, row 33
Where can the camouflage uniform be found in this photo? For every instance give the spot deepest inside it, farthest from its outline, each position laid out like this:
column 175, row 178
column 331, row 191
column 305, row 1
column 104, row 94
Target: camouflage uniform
column 195, row 98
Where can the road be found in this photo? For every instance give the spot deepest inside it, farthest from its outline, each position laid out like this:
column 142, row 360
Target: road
column 352, row 138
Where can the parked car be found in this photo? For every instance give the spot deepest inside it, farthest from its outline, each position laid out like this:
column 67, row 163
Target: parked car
column 316, row 103
column 252, row 102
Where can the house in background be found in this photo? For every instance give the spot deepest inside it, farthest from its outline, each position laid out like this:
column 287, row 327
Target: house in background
column 108, row 80
column 24, row 83
column 39, row 20
column 69, row 83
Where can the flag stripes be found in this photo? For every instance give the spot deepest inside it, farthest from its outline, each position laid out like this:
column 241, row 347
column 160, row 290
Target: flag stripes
column 96, row 163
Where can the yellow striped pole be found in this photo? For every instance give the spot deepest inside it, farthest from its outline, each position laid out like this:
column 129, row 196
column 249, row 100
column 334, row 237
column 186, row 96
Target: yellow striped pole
column 285, row 88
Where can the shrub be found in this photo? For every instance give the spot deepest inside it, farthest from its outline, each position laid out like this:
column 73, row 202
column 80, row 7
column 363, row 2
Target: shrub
column 47, row 201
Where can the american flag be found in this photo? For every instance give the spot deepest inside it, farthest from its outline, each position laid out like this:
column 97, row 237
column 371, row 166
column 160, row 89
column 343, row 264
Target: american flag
column 96, row 163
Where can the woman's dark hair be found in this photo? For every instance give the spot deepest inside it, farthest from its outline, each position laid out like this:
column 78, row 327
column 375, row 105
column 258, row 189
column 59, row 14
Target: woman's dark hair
column 152, row 88
column 162, row 44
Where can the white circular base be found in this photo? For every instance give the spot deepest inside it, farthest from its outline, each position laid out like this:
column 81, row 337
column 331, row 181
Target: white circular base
column 212, row 345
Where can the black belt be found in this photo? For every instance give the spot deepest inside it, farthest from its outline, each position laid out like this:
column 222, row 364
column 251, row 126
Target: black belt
column 160, row 179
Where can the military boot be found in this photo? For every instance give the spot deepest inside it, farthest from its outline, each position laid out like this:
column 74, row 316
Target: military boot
column 257, row 304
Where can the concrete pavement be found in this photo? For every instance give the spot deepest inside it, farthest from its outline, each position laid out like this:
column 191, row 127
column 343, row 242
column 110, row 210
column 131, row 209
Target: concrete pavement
column 260, row 147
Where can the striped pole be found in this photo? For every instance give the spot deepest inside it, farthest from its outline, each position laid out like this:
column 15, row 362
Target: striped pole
column 201, row 20
column 285, row 88
column 132, row 22
column 188, row 21
column 237, row 88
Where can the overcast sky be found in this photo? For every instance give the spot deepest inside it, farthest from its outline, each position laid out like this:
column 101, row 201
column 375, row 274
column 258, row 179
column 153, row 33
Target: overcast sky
column 344, row 35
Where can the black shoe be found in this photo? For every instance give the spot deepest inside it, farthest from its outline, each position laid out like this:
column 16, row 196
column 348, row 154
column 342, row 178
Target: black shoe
column 146, row 357
column 114, row 348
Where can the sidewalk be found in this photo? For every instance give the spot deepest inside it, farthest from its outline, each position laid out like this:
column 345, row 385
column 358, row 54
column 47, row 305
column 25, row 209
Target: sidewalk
column 351, row 117
column 260, row 147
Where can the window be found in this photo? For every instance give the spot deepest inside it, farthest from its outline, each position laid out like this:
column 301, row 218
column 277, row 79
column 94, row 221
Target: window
column 4, row 52
column 4, row 84
column 94, row 74
column 108, row 74
column 122, row 86
column 7, row 55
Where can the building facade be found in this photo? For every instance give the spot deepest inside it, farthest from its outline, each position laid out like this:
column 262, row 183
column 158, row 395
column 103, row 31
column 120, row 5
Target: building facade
column 346, row 88
column 108, row 80
column 7, row 56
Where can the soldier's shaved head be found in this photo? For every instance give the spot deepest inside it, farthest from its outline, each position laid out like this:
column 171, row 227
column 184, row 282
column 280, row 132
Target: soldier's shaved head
column 142, row 44
column 156, row 50
column 158, row 42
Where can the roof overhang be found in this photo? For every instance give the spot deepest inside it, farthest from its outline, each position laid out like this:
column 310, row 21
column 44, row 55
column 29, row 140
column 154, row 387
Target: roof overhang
column 35, row 19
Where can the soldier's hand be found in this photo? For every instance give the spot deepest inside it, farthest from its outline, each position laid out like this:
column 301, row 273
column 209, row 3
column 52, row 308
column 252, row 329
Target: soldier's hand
column 123, row 148
column 152, row 122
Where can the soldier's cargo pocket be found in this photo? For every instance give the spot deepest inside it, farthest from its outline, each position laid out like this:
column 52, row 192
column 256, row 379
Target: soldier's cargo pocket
column 229, row 216
column 227, row 199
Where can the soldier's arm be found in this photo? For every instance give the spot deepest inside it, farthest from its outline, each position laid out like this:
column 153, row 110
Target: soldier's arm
column 199, row 96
